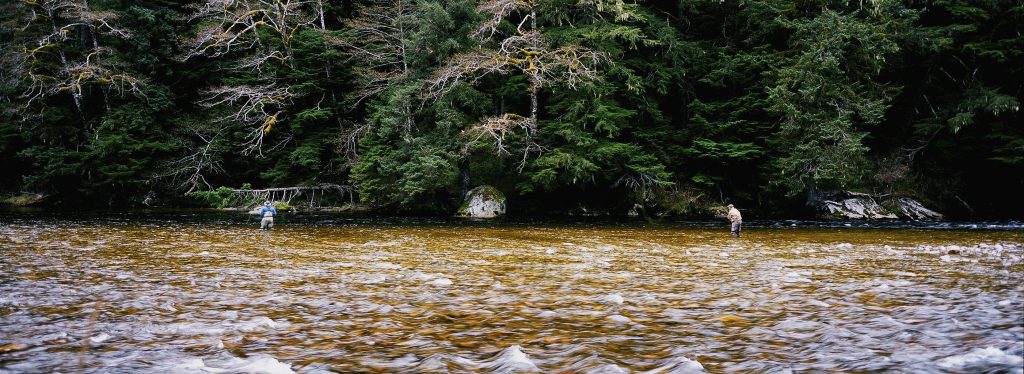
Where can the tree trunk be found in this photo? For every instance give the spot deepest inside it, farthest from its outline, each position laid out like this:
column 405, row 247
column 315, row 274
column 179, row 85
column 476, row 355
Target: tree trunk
column 534, row 81
column 813, row 193
column 463, row 177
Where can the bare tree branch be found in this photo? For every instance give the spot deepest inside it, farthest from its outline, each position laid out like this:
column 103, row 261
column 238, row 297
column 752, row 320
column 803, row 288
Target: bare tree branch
column 377, row 41
column 526, row 52
column 235, row 24
column 498, row 10
column 47, row 66
column 500, row 130
column 347, row 143
column 257, row 108
column 189, row 172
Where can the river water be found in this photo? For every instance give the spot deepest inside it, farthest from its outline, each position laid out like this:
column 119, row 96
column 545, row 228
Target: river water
column 184, row 295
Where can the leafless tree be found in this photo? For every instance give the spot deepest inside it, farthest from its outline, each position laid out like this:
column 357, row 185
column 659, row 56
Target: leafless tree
column 377, row 41
column 527, row 52
column 189, row 172
column 258, row 108
column 55, row 62
column 235, row 24
column 227, row 26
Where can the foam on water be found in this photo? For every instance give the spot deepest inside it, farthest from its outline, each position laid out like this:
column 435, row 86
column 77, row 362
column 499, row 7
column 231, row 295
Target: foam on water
column 981, row 357
column 618, row 318
column 251, row 365
column 677, row 363
column 607, row 369
column 797, row 277
column 256, row 324
column 102, row 337
column 547, row 314
column 614, row 298
column 509, row 360
column 374, row 279
column 440, row 282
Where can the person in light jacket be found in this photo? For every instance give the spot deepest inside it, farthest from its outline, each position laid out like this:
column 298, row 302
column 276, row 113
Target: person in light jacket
column 267, row 212
column 736, row 219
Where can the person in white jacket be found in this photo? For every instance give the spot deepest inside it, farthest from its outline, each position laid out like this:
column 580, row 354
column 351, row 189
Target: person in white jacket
column 736, row 219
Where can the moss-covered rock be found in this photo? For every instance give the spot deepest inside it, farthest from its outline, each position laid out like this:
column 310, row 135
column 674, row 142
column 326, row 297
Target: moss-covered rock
column 25, row 199
column 483, row 202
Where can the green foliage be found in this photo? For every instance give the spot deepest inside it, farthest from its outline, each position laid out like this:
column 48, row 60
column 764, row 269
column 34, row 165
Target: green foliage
column 405, row 175
column 826, row 98
column 696, row 102
column 409, row 153
column 222, row 197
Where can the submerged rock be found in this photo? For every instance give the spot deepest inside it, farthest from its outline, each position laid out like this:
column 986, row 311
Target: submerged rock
column 483, row 202
column 729, row 319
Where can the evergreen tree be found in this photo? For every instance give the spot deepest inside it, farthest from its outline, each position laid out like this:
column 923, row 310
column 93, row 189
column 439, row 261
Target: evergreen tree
column 827, row 97
column 82, row 118
column 954, row 137
column 678, row 106
column 274, row 97
column 406, row 147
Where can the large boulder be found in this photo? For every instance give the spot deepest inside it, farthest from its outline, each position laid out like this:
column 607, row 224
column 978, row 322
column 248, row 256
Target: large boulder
column 483, row 202
column 855, row 205
column 912, row 209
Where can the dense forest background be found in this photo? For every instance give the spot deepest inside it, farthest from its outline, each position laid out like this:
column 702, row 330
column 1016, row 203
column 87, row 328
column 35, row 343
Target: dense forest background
column 562, row 104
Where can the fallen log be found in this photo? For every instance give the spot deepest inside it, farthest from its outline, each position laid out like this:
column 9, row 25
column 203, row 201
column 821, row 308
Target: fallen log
column 287, row 194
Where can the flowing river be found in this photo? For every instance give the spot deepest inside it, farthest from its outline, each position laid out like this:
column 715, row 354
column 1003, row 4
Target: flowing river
column 176, row 294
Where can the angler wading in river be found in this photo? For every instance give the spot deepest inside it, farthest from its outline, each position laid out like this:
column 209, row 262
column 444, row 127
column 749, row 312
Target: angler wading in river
column 736, row 221
column 267, row 212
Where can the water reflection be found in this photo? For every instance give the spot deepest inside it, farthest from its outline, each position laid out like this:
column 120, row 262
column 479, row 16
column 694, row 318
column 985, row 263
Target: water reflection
column 193, row 296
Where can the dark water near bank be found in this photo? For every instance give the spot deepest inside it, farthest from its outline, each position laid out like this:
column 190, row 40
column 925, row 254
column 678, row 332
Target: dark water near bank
column 201, row 293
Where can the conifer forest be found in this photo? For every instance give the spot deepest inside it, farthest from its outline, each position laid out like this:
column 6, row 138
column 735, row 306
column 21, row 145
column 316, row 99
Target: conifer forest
column 562, row 105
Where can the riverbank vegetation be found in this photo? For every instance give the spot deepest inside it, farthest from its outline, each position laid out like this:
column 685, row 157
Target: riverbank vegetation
column 677, row 106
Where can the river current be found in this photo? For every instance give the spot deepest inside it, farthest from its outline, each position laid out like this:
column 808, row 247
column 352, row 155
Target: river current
column 177, row 295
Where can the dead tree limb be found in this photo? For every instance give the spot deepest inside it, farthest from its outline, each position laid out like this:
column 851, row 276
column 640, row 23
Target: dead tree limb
column 234, row 27
column 53, row 62
column 526, row 52
column 288, row 194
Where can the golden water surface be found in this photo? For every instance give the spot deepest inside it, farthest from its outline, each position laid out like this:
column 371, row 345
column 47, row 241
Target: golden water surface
column 364, row 296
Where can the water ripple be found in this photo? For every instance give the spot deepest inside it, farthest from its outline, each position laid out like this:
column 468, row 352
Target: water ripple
column 183, row 296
